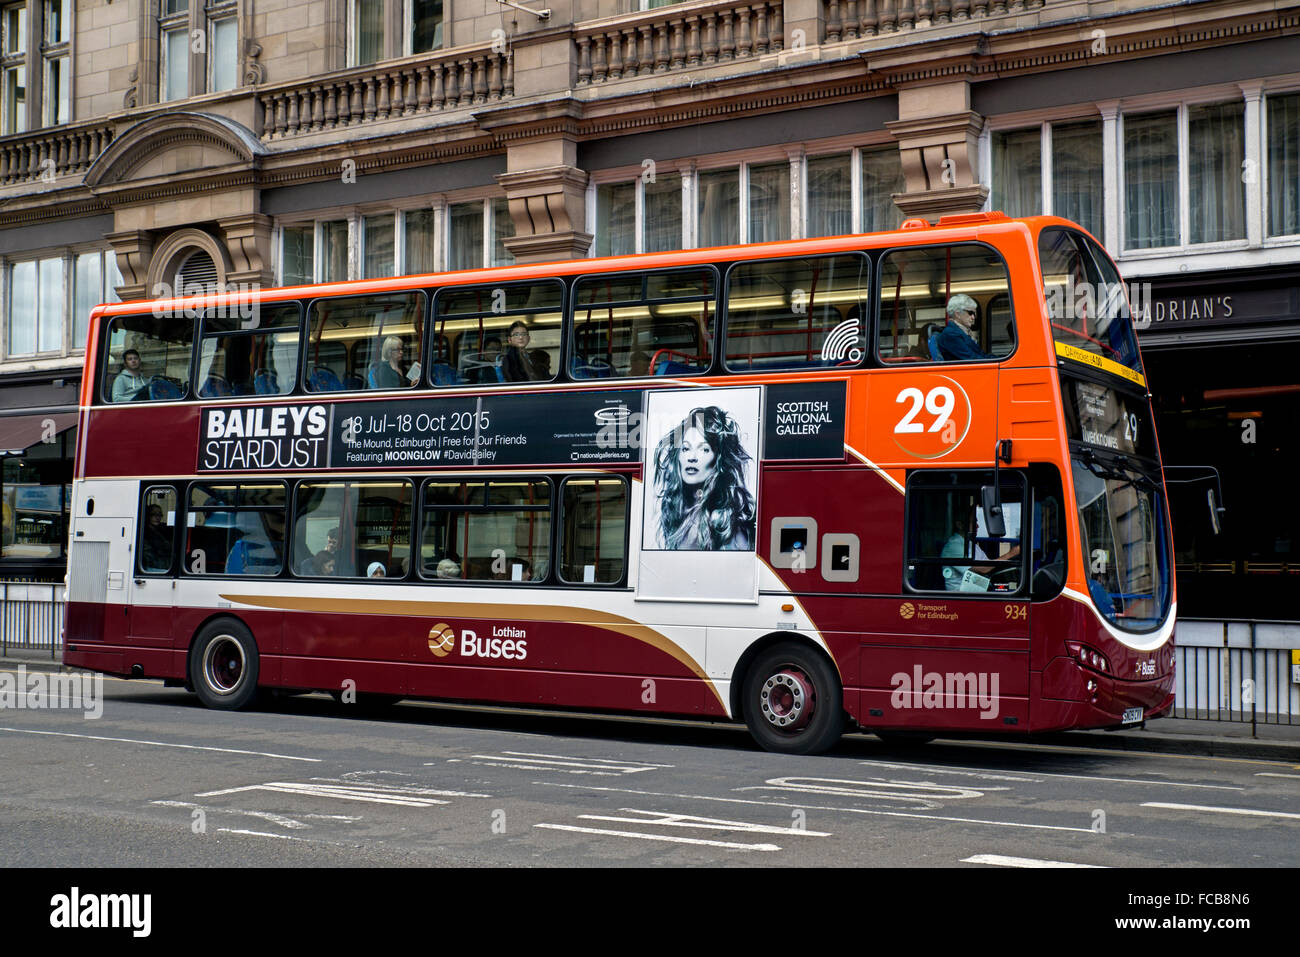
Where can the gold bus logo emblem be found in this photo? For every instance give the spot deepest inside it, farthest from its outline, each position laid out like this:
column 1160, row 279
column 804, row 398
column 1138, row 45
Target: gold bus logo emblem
column 442, row 640
column 906, row 610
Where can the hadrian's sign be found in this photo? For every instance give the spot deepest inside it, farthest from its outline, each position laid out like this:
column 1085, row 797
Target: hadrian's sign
column 1174, row 308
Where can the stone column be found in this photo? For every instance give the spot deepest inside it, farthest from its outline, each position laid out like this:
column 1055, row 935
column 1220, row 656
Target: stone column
column 134, row 251
column 248, row 240
column 547, row 196
column 937, row 135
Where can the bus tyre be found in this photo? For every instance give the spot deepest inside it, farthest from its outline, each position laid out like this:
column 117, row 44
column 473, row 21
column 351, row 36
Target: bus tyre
column 224, row 666
column 793, row 702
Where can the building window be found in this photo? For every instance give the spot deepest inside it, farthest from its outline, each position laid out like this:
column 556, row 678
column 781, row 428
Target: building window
column 1216, row 153
column 36, row 486
column 379, row 239
column 174, row 50
column 296, row 255
column 657, row 227
column 719, row 207
column 365, row 32
column 477, row 234
column 1066, row 158
column 13, row 62
column 882, row 177
column 95, row 278
column 423, row 25
column 418, row 242
column 1211, row 168
column 58, row 80
column 223, row 44
column 1283, row 118
column 769, row 202
column 830, row 196
column 37, row 310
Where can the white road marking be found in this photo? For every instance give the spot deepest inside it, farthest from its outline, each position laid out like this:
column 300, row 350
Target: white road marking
column 532, row 760
column 668, row 819
column 1001, row 861
column 818, row 807
column 401, row 796
column 1043, row 774
column 875, row 789
column 166, row 744
column 1249, row 811
column 264, row 815
column 662, row 837
column 1275, row 774
column 282, row 837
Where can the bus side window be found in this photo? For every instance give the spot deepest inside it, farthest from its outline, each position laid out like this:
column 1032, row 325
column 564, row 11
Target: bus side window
column 593, row 538
column 489, row 334
column 486, row 531
column 948, row 545
column 157, row 530
column 643, row 324
column 235, row 529
column 148, row 358
column 947, row 303
column 364, row 342
column 797, row 313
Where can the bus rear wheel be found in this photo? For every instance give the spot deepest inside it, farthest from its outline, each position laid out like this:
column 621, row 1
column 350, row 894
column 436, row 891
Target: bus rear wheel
column 793, row 703
column 224, row 666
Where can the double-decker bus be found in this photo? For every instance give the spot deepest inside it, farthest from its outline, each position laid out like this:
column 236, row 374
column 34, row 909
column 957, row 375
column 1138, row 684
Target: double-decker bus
column 905, row 483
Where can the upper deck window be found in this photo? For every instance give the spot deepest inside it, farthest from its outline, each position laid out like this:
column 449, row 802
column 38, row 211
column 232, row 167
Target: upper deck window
column 1086, row 300
column 257, row 355
column 948, row 303
column 797, row 313
column 364, row 342
column 148, row 358
column 636, row 324
column 504, row 333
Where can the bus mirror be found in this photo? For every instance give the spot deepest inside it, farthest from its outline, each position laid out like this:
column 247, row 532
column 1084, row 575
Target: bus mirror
column 991, row 505
column 1215, row 511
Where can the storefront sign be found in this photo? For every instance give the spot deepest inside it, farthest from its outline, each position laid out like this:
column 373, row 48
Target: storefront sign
column 1171, row 309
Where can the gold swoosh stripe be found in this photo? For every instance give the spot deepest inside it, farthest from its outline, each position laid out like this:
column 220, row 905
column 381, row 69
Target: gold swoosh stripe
column 481, row 610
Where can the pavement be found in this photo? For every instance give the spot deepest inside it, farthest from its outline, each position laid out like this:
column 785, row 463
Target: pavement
column 1239, row 739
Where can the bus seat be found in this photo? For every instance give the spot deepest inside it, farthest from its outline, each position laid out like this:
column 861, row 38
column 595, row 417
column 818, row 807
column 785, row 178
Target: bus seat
column 324, row 379
column 669, row 367
column 216, row 386
column 237, row 560
column 443, row 374
column 160, row 388
column 353, row 382
column 593, row 369
column 932, row 341
column 266, row 382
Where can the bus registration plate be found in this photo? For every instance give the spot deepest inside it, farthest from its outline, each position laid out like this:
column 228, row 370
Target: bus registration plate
column 1132, row 715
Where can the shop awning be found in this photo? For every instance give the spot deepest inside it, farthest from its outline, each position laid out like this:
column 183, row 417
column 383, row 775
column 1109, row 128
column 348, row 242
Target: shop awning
column 18, row 433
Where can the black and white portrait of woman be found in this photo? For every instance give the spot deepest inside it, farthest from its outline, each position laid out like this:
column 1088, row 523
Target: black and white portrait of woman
column 702, row 473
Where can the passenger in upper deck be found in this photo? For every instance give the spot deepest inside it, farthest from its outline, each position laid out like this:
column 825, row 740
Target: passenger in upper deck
column 130, row 381
column 388, row 373
column 519, row 364
column 959, row 340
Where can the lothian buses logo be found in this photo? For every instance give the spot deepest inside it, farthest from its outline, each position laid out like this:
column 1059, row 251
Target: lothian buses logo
column 442, row 640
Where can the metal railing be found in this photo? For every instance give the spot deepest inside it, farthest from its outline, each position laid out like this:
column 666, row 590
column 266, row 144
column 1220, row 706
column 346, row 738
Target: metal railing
column 31, row 617
column 1236, row 669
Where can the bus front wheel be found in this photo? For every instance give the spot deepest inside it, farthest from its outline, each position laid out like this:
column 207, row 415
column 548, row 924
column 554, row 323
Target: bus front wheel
column 224, row 666
column 793, row 701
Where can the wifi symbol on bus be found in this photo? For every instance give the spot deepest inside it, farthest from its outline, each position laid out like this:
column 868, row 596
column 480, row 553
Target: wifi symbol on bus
column 842, row 342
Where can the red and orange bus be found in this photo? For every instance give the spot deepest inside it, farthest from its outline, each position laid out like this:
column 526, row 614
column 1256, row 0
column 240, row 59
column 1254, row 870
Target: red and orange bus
column 905, row 483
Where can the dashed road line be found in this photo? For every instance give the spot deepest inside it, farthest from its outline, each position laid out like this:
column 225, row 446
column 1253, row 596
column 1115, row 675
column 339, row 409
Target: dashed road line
column 1000, row 860
column 672, row 839
column 1247, row 811
column 995, row 772
column 166, row 744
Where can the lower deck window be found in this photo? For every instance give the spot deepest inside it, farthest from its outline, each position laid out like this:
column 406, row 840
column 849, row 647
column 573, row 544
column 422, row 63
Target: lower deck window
column 949, row 545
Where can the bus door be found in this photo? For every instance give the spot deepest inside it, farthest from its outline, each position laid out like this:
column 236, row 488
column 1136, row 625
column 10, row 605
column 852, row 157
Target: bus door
column 152, row 565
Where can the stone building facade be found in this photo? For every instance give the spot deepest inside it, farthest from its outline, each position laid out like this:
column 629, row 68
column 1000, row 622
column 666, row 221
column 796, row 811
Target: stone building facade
column 147, row 145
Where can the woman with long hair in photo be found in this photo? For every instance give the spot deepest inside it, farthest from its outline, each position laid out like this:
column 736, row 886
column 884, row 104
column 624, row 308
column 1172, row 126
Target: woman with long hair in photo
column 700, row 485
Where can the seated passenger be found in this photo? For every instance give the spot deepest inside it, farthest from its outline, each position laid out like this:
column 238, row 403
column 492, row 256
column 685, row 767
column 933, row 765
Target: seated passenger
column 448, row 569
column 129, row 383
column 959, row 340
column 388, row 373
column 376, row 570
column 520, row 362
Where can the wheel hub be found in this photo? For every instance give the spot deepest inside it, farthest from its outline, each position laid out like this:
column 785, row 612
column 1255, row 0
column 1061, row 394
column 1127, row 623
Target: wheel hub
column 224, row 666
column 787, row 700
